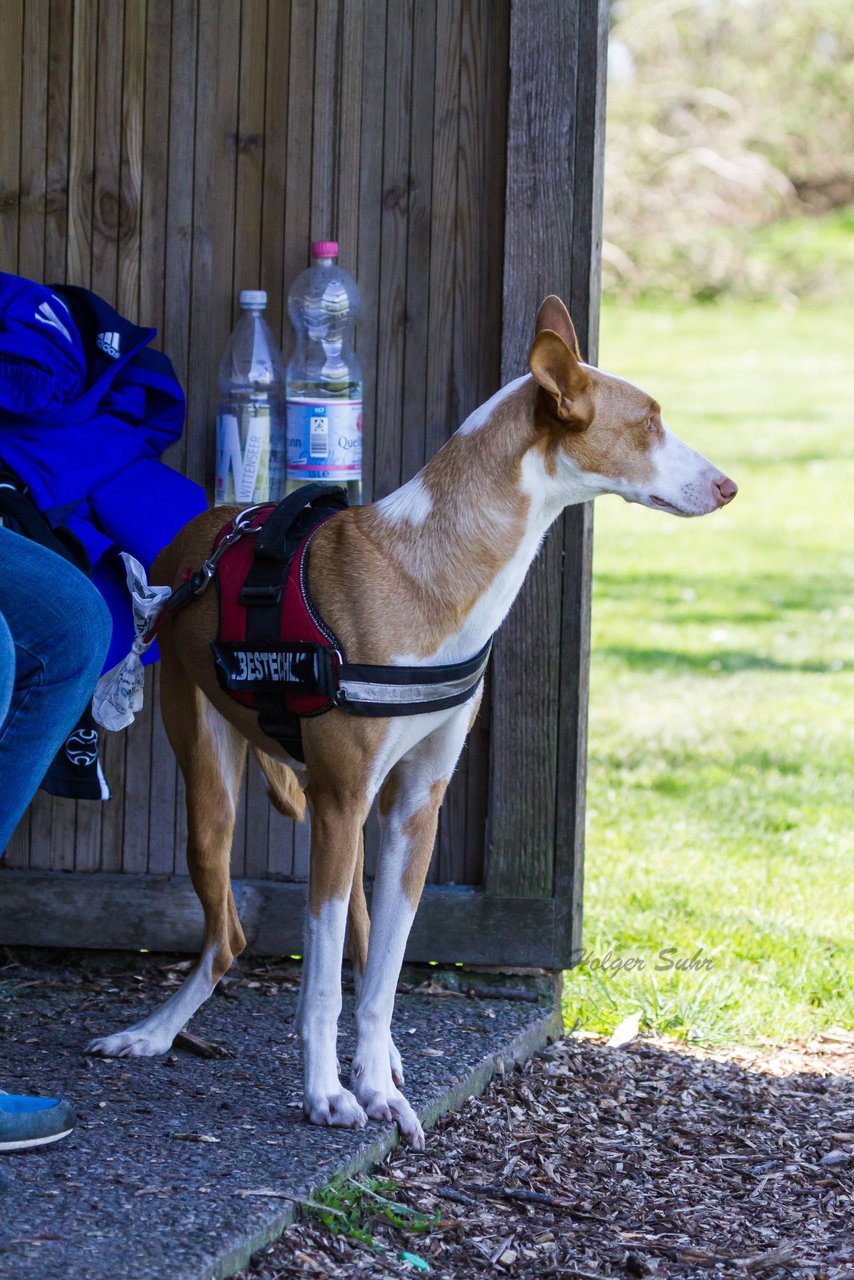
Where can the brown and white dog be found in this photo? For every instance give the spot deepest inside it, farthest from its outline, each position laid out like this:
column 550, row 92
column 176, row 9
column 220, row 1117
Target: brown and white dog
column 424, row 576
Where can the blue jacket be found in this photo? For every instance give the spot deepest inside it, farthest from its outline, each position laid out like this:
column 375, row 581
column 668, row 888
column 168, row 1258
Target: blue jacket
column 86, row 410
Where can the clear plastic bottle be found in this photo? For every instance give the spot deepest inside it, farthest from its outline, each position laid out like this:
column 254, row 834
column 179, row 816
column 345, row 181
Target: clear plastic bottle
column 324, row 377
column 250, row 420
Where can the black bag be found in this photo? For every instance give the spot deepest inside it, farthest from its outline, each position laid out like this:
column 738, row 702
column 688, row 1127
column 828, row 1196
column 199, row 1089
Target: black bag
column 75, row 771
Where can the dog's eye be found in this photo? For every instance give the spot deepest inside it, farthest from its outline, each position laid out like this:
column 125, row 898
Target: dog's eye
column 650, row 424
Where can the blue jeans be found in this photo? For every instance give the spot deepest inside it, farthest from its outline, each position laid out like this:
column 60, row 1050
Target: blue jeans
column 54, row 633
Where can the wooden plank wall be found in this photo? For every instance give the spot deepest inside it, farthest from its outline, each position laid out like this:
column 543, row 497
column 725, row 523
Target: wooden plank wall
column 167, row 153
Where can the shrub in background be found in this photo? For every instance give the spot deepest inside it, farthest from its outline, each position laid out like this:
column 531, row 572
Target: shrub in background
column 730, row 149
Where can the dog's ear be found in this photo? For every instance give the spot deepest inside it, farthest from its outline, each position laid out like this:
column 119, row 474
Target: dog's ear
column 554, row 315
column 563, row 378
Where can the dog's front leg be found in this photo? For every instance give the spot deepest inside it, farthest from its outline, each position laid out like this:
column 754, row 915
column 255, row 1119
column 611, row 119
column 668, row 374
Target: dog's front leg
column 409, row 811
column 358, row 935
column 335, row 834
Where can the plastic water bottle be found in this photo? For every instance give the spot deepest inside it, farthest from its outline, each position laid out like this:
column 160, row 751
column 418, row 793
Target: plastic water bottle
column 324, row 377
column 250, row 422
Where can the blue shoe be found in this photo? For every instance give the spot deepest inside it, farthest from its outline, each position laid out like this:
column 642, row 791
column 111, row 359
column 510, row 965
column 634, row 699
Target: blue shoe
column 33, row 1122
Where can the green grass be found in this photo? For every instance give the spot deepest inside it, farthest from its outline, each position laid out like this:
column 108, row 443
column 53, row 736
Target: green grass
column 721, row 770
column 809, row 256
column 356, row 1208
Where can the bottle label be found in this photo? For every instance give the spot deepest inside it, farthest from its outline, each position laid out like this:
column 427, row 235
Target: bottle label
column 324, row 440
column 243, row 457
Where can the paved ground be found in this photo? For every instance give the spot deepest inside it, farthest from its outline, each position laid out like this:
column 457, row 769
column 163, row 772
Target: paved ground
column 154, row 1182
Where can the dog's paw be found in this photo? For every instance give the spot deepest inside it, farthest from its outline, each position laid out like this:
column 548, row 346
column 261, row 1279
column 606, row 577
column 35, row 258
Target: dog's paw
column 396, row 1064
column 134, row 1043
column 340, row 1110
column 390, row 1107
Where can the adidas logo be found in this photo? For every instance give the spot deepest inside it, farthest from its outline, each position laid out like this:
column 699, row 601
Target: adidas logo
column 109, row 344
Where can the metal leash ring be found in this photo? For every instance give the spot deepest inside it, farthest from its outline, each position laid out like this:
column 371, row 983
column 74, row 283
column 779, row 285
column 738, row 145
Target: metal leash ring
column 240, row 528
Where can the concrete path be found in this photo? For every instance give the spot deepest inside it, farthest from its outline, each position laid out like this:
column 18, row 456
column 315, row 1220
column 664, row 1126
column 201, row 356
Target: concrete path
column 164, row 1173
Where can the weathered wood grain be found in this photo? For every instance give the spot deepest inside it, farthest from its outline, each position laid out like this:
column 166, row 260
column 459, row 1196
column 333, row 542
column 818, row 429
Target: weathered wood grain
column 539, row 672
column 57, row 152
column 214, row 196
column 419, row 212
column 272, row 244
column 160, row 835
column 35, row 56
column 154, row 168
column 325, row 117
column 489, row 41
column 130, row 181
column 175, row 188
column 250, row 147
column 441, row 409
column 376, row 16
column 282, row 842
column 297, row 204
column 163, row 914
column 394, row 214
column 18, row 849
column 81, row 177
column 441, row 401
column 10, row 137
column 106, row 214
column 349, row 141
column 257, row 826
column 578, row 527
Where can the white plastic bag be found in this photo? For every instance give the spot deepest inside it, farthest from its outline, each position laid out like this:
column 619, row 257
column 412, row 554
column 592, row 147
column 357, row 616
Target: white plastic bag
column 118, row 694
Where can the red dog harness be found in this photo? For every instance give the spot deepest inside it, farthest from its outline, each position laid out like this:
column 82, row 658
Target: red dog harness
column 275, row 654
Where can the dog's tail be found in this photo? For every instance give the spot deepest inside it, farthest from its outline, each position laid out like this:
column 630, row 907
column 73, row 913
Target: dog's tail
column 283, row 788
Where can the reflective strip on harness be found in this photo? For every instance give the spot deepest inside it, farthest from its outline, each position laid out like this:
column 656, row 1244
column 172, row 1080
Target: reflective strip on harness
column 402, row 691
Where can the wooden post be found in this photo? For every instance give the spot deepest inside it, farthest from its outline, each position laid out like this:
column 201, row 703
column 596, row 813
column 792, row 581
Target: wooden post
column 552, row 242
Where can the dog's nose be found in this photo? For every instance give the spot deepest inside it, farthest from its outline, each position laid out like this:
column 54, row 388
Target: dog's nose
column 724, row 490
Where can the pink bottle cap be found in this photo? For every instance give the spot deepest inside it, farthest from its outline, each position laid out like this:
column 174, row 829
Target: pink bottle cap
column 324, row 248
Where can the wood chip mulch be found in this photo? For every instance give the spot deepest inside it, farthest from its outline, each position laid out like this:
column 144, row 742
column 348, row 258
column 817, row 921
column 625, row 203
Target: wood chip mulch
column 651, row 1159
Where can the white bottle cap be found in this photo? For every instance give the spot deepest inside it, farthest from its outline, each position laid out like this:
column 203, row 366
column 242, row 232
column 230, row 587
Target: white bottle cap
column 253, row 298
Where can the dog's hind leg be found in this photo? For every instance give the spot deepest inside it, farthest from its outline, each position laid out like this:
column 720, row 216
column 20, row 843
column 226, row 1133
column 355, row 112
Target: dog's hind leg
column 358, row 937
column 211, row 754
column 358, row 920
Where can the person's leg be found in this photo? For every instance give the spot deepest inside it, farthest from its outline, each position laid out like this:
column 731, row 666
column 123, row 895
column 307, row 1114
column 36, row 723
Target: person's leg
column 54, row 632
column 7, row 667
column 60, row 629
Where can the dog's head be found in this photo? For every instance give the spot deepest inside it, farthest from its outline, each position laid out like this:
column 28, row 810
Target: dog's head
column 606, row 435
